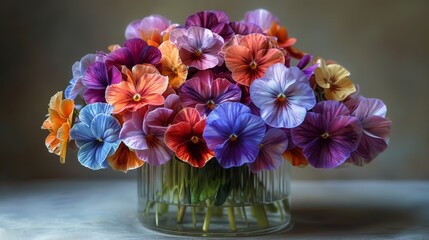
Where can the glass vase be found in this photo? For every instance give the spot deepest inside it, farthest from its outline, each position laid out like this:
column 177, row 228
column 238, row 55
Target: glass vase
column 176, row 198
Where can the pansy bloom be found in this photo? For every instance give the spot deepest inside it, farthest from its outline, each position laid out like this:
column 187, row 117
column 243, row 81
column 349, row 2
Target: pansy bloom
column 251, row 57
column 96, row 79
column 124, row 159
column 147, row 142
column 150, row 29
column 172, row 65
column 58, row 123
column 376, row 129
column 144, row 85
column 135, row 51
column 216, row 21
column 283, row 95
column 198, row 47
column 76, row 86
column 204, row 93
column 334, row 80
column 234, row 134
column 184, row 137
column 328, row 135
column 271, row 148
column 96, row 135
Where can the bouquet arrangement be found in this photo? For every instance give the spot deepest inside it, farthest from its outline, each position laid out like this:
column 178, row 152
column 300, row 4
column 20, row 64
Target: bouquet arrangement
column 213, row 92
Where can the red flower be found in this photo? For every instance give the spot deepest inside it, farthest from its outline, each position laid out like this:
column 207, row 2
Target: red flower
column 185, row 138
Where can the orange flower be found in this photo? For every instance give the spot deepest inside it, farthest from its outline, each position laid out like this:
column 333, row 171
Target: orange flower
column 172, row 65
column 284, row 41
column 334, row 80
column 58, row 123
column 295, row 157
column 251, row 57
column 143, row 86
column 124, row 159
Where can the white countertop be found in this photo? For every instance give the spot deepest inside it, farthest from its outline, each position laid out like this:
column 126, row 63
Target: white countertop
column 107, row 209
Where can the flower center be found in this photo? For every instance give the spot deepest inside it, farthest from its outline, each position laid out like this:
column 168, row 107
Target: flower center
column 281, row 97
column 325, row 135
column 194, row 139
column 149, row 138
column 253, row 65
column 137, row 97
column 211, row 105
column 198, row 53
column 233, row 137
column 99, row 139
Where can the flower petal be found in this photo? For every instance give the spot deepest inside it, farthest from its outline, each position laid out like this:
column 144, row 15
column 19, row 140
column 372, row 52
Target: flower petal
column 90, row 111
column 81, row 133
column 133, row 136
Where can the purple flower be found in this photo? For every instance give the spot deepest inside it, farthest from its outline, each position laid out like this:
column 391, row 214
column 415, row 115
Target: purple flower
column 76, row 86
column 96, row 79
column 328, row 135
column 147, row 142
column 260, row 17
column 205, row 94
column 198, row 47
column 376, row 129
column 96, row 135
column 216, row 21
column 234, row 134
column 302, row 64
column 273, row 145
column 146, row 27
column 135, row 51
column 245, row 28
column 283, row 95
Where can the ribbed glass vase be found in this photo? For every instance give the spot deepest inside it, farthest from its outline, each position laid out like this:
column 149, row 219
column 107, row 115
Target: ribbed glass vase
column 178, row 199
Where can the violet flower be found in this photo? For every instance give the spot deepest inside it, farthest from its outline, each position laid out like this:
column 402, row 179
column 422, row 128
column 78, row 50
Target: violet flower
column 96, row 79
column 273, row 145
column 135, row 51
column 328, row 135
column 146, row 27
column 216, row 21
column 260, row 17
column 234, row 134
column 283, row 95
column 198, row 47
column 204, row 93
column 376, row 129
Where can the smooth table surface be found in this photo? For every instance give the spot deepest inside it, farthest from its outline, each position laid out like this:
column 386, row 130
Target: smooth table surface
column 320, row 210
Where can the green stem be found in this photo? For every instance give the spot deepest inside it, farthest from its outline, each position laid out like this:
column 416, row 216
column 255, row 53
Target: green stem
column 245, row 215
column 231, row 217
column 258, row 212
column 194, row 216
column 280, row 209
column 181, row 214
column 156, row 214
column 208, row 216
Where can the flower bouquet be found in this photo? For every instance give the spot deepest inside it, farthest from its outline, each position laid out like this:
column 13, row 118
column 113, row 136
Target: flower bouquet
column 213, row 112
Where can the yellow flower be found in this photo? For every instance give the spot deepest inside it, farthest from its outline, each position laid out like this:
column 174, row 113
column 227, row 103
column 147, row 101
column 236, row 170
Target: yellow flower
column 334, row 80
column 172, row 66
column 59, row 123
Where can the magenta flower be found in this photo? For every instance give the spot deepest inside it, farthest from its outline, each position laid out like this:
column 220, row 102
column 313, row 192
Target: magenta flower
column 234, row 134
column 271, row 148
column 328, row 135
column 216, row 21
column 376, row 129
column 205, row 94
column 147, row 142
column 283, row 95
column 96, row 79
column 162, row 117
column 198, row 47
column 135, row 51
column 261, row 17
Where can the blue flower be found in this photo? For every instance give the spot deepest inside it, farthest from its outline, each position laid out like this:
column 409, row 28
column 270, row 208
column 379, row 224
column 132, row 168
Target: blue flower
column 234, row 134
column 96, row 135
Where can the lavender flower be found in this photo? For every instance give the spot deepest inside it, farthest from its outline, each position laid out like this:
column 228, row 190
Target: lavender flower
column 216, row 21
column 283, row 95
column 96, row 79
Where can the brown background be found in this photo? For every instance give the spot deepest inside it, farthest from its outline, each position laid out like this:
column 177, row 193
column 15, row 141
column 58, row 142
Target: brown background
column 384, row 44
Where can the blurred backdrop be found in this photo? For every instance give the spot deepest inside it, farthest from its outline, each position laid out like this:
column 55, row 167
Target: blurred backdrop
column 383, row 43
